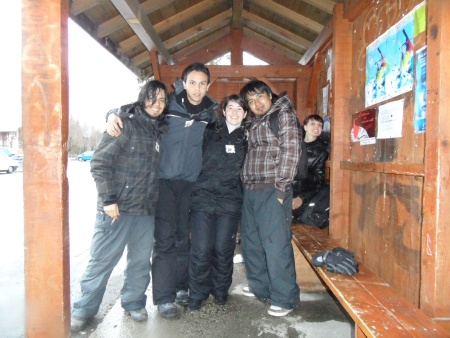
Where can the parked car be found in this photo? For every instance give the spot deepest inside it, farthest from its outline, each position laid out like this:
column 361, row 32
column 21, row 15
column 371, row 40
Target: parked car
column 7, row 164
column 7, row 151
column 86, row 156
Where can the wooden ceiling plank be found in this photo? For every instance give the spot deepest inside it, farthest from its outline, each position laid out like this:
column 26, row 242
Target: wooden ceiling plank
column 272, row 44
column 110, row 26
column 217, row 21
column 289, row 14
column 128, row 44
column 324, row 5
column 210, row 52
column 202, row 43
column 141, row 25
column 80, row 6
column 277, row 30
column 238, row 8
column 187, row 14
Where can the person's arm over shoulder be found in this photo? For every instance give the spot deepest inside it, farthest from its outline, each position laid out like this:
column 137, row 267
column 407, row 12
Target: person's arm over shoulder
column 289, row 155
column 114, row 123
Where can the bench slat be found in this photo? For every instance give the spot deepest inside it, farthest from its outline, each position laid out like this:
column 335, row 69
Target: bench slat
column 377, row 309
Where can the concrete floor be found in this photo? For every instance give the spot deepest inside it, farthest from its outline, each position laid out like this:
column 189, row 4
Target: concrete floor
column 318, row 315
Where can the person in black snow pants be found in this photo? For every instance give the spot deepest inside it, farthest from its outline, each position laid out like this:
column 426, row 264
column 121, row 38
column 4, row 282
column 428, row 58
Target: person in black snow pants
column 216, row 205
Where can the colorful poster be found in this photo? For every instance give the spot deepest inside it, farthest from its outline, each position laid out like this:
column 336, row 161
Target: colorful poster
column 390, row 62
column 420, row 99
column 363, row 127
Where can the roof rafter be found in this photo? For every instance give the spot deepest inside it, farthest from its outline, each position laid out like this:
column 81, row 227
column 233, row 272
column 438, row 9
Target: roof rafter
column 118, row 22
column 141, row 25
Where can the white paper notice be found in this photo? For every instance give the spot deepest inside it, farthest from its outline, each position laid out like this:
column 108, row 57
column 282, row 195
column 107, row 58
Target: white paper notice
column 390, row 120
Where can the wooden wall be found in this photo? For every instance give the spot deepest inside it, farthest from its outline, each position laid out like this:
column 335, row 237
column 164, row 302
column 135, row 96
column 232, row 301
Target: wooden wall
column 226, row 80
column 385, row 196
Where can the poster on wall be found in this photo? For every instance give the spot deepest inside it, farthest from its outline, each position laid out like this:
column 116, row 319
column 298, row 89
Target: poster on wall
column 420, row 99
column 390, row 120
column 325, row 100
column 390, row 62
column 363, row 128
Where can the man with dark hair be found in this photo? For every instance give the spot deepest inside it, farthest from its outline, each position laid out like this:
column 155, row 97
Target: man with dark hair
column 269, row 170
column 125, row 170
column 190, row 110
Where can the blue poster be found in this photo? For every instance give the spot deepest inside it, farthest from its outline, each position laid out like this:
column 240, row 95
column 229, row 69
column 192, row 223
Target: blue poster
column 420, row 99
column 390, row 62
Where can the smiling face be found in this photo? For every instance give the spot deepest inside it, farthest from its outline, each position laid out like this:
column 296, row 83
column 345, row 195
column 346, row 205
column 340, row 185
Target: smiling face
column 156, row 108
column 313, row 129
column 259, row 102
column 234, row 113
column 196, row 86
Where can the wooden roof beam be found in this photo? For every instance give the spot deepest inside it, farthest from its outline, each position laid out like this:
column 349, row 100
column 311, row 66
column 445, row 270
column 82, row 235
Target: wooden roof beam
column 185, row 15
column 277, row 30
column 322, row 39
column 201, row 44
column 289, row 14
column 324, row 5
column 215, row 22
column 141, row 25
column 238, row 8
column 80, row 6
column 272, row 44
column 218, row 21
column 209, row 52
column 118, row 22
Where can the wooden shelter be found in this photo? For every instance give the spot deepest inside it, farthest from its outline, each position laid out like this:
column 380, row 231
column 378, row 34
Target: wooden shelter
column 389, row 200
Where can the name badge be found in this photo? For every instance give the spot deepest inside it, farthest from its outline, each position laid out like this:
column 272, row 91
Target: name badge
column 188, row 123
column 229, row 148
column 157, row 147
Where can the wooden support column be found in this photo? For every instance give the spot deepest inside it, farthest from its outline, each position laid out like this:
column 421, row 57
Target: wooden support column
column 236, row 47
column 341, row 74
column 45, row 131
column 155, row 65
column 434, row 287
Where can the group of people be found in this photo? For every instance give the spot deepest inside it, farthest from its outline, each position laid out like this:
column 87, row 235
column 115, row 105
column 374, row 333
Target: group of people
column 174, row 182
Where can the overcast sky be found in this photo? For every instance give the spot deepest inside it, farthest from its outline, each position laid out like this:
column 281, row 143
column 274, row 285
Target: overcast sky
column 97, row 80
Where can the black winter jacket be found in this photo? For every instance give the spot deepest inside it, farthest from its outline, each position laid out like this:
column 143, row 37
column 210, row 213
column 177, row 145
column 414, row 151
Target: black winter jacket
column 219, row 188
column 125, row 168
column 181, row 145
column 310, row 186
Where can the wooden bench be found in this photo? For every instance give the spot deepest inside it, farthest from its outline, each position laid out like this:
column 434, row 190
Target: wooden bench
column 377, row 309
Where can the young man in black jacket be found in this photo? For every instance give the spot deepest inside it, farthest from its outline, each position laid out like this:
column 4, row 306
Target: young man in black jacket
column 190, row 110
column 125, row 170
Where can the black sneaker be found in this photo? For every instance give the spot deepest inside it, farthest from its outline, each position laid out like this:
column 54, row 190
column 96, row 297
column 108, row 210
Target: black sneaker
column 194, row 304
column 221, row 300
column 168, row 310
column 182, row 298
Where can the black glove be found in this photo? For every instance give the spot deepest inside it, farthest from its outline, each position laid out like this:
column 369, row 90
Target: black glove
column 338, row 260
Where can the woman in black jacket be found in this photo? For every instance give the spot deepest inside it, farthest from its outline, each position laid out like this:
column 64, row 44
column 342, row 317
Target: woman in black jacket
column 317, row 149
column 216, row 205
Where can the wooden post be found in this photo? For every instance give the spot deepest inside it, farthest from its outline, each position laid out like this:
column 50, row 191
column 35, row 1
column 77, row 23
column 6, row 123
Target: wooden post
column 236, row 47
column 45, row 131
column 155, row 65
column 434, row 287
column 341, row 74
